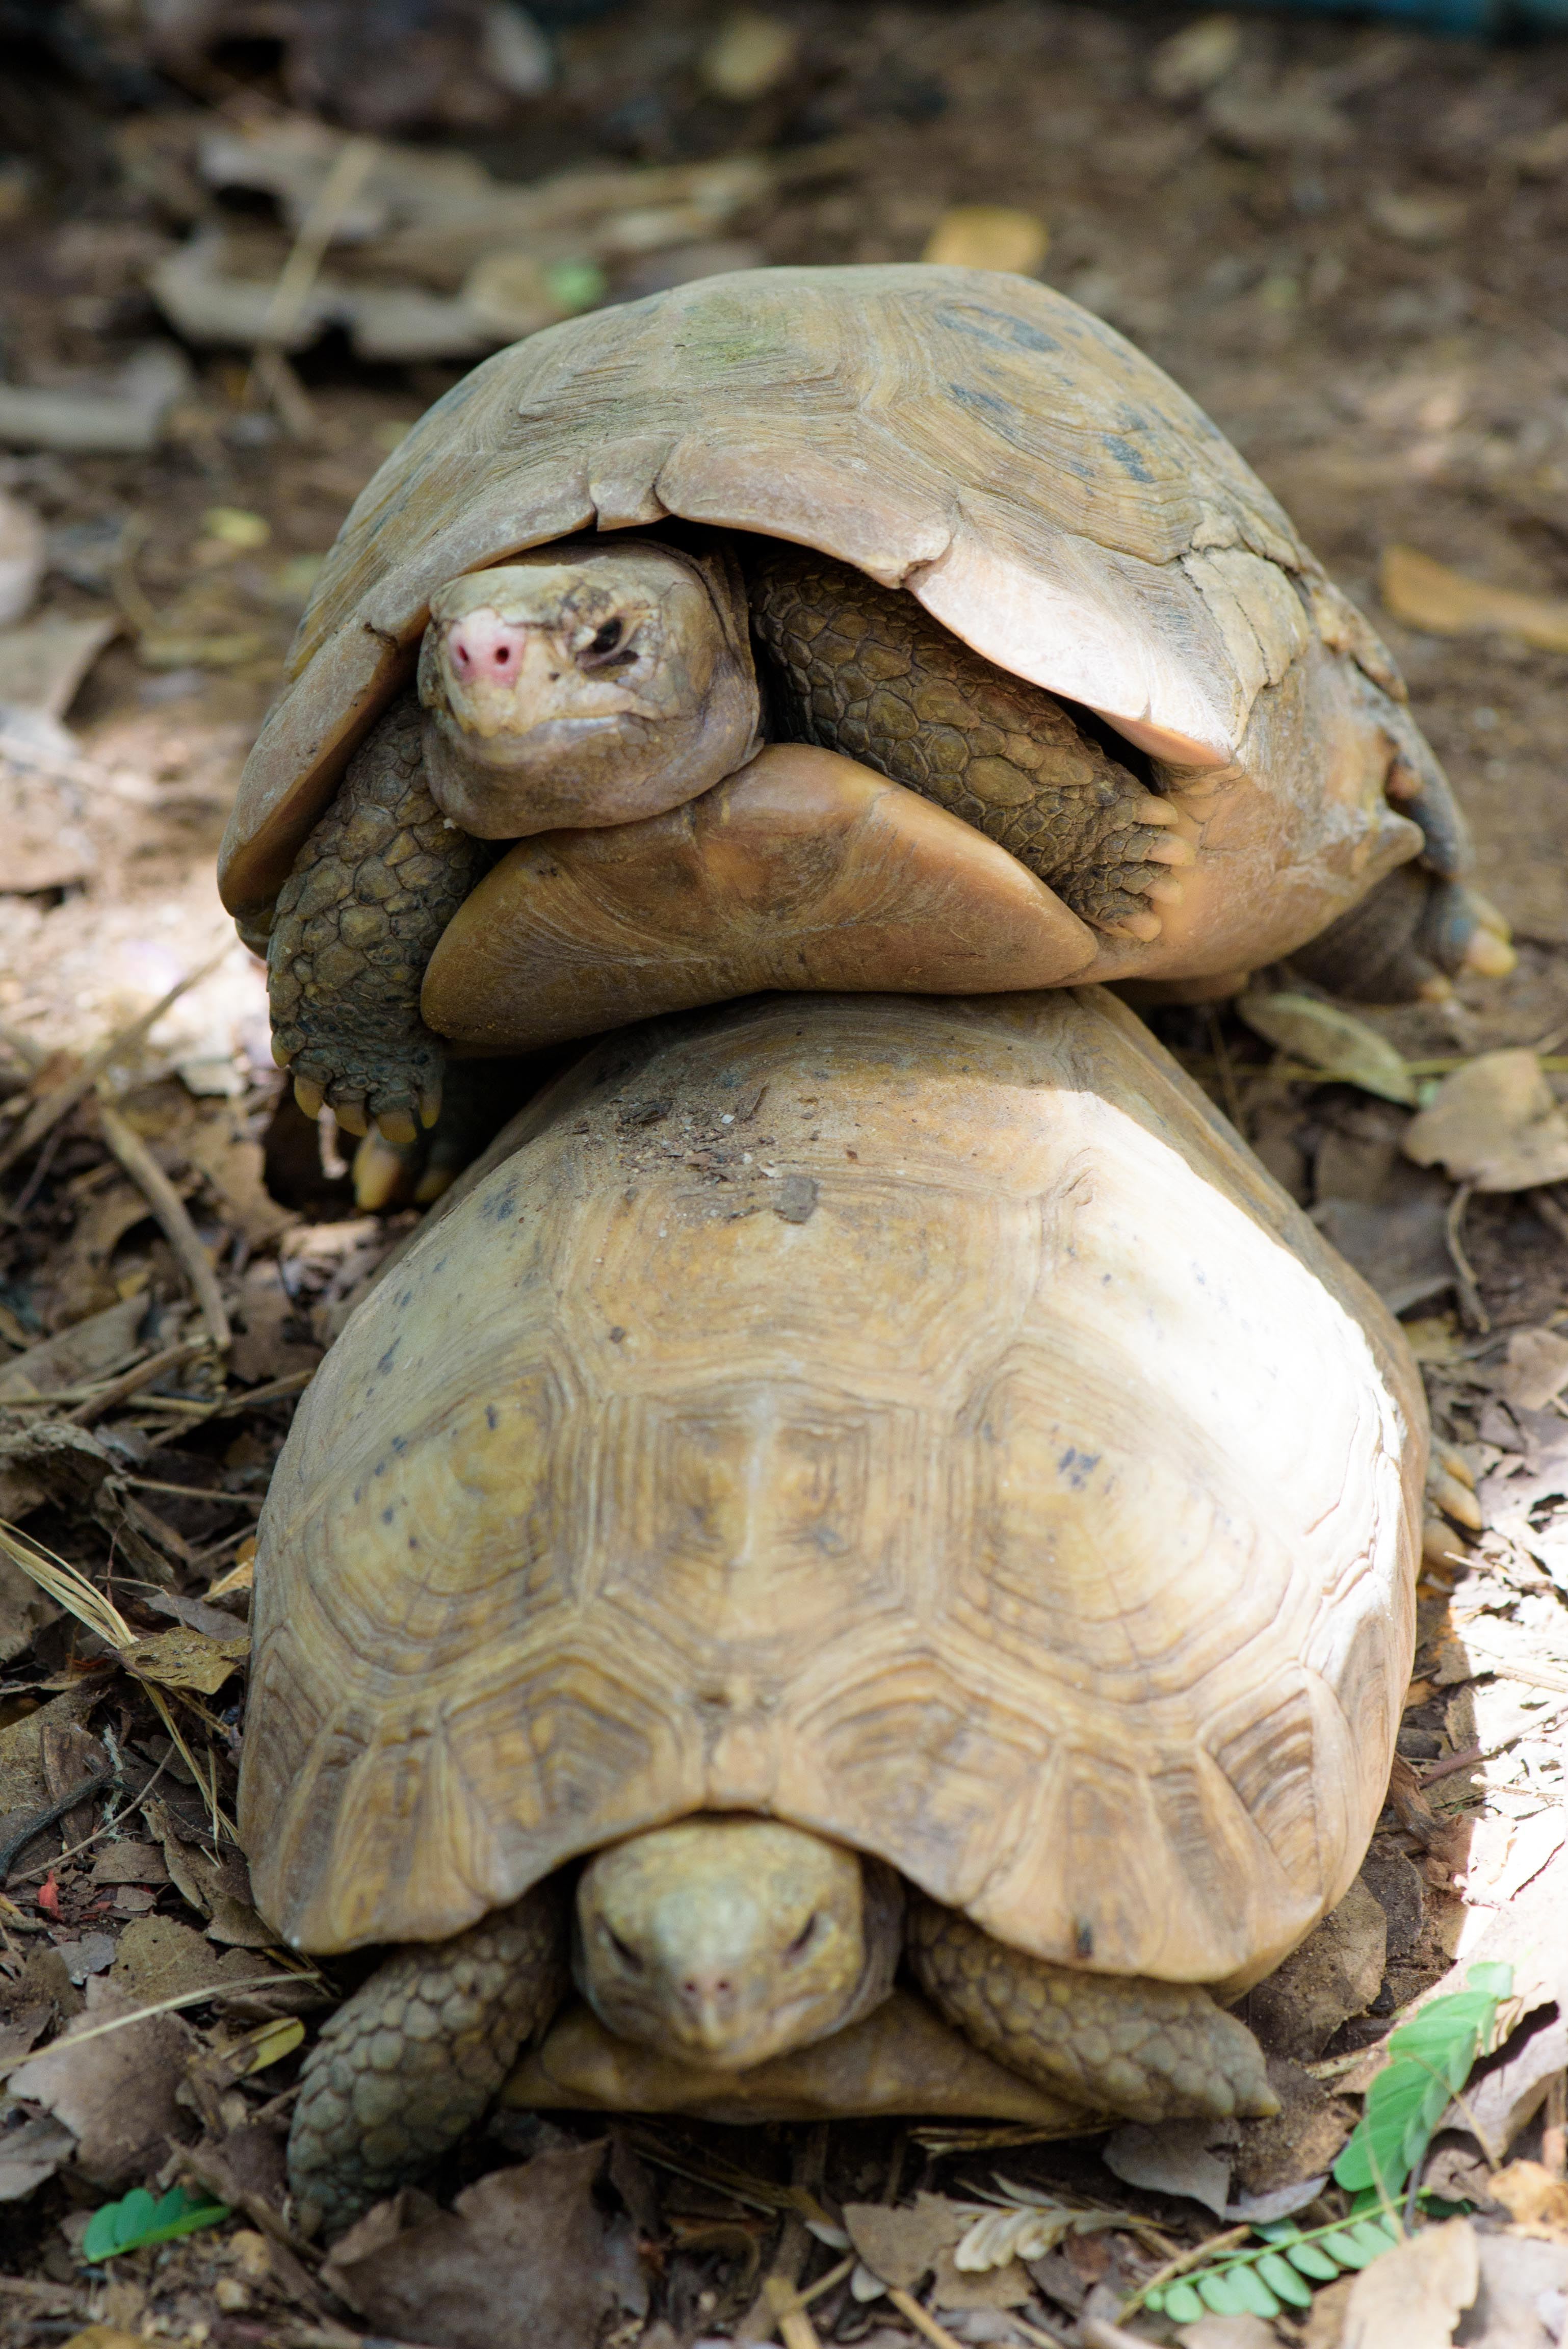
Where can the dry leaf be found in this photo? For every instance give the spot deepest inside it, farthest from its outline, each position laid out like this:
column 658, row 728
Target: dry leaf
column 1189, row 2158
column 1416, row 2294
column 1523, row 2283
column 1428, row 595
column 1537, row 1369
column 1400, row 1250
column 1333, row 1041
column 1496, row 1124
column 182, row 1657
column 32, row 2153
column 1532, row 2197
column 1509, row 2089
column 1228, row 2333
column 901, row 2246
column 524, row 2256
column 114, row 2093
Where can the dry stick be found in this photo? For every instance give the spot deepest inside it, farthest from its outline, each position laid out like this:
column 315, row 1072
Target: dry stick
column 131, row 1381
column 1193, row 2258
column 922, row 2320
column 28, row 1875
column 270, row 371
column 49, row 1110
column 1471, row 1305
column 169, row 1210
column 141, row 2014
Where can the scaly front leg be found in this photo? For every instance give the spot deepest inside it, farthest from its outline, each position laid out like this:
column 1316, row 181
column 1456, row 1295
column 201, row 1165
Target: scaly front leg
column 357, row 921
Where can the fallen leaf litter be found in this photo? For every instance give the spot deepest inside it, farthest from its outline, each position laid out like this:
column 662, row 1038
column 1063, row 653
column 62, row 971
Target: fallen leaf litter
column 160, row 1304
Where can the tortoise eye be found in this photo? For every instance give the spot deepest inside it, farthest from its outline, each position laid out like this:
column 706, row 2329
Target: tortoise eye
column 628, row 1957
column 604, row 647
column 802, row 1939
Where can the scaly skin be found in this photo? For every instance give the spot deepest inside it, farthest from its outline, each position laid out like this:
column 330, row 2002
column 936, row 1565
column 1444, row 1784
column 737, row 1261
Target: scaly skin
column 862, row 669
column 1155, row 2051
column 357, row 920
column 409, row 2062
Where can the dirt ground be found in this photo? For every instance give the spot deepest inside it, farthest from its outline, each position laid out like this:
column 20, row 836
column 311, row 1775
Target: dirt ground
column 1351, row 244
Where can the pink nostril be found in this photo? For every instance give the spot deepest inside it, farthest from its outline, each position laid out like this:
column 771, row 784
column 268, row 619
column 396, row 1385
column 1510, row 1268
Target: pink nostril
column 485, row 646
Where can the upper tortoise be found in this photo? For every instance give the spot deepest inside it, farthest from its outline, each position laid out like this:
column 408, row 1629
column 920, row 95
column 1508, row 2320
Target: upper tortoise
column 941, row 524
column 908, row 1602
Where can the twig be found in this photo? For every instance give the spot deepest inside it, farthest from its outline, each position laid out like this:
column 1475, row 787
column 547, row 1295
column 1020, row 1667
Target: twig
column 920, row 2318
column 15, row 1844
column 1193, row 2258
column 108, row 1827
column 160, row 2006
column 270, row 371
column 238, row 1399
column 49, row 1108
column 1465, row 1761
column 131, row 1381
column 169, row 1210
column 796, row 2328
column 1551, row 1210
column 1471, row 1305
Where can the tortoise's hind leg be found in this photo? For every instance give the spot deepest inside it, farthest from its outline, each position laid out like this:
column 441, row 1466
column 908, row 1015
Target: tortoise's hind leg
column 410, row 2061
column 1406, row 939
column 1155, row 2051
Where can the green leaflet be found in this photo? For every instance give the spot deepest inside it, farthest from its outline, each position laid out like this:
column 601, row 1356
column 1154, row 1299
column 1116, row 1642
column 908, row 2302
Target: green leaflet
column 1266, row 2278
column 126, row 2225
column 1430, row 2058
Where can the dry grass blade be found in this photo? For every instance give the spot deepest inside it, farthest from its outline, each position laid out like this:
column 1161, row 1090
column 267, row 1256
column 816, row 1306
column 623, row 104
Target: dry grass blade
column 67, row 1588
column 168, row 1208
column 922, row 2319
column 131, row 1381
column 87, row 1602
column 161, row 2006
column 271, row 376
column 49, row 1108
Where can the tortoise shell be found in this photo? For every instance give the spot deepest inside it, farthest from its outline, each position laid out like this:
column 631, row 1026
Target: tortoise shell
column 918, row 1420
column 1044, row 490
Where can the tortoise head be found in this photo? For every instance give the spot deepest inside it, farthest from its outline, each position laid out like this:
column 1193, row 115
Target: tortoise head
column 731, row 1939
column 587, row 684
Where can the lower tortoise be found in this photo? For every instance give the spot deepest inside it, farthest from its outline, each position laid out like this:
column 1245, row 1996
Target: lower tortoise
column 942, row 526
column 862, row 1562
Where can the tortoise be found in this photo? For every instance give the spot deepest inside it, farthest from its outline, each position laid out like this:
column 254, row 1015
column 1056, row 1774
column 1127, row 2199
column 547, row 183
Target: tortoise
column 939, row 522
column 870, row 1535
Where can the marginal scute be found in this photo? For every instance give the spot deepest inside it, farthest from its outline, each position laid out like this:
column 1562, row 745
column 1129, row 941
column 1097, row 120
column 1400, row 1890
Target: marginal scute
column 956, row 1570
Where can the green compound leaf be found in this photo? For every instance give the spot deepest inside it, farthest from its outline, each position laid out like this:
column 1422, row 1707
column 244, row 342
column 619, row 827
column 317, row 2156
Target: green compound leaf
column 1179, row 2302
column 1266, row 2278
column 1284, row 2281
column 126, row 2225
column 1430, row 2058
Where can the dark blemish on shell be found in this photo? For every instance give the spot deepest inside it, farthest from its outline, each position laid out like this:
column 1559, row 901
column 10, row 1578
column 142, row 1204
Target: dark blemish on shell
column 385, row 1364
column 1014, row 333
column 492, row 1417
column 1083, row 1939
column 1078, row 1466
column 1126, row 455
column 388, row 1515
column 399, row 1444
column 616, row 1334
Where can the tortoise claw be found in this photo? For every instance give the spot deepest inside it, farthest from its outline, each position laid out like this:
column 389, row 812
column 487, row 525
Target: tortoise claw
column 397, row 1126
column 351, row 1117
column 310, row 1097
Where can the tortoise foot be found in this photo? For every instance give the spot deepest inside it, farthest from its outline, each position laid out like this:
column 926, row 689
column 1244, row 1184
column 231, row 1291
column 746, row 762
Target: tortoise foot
column 1408, row 940
column 411, row 2061
column 1154, row 2050
column 371, row 892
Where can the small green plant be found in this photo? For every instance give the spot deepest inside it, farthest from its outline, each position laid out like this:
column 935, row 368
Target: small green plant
column 126, row 2225
column 1429, row 2059
column 1278, row 2271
